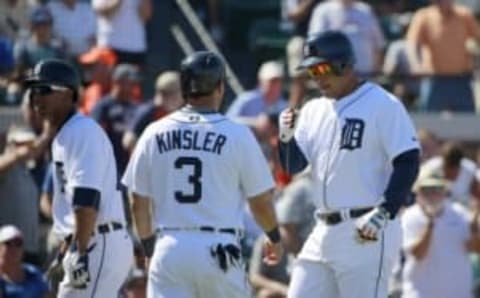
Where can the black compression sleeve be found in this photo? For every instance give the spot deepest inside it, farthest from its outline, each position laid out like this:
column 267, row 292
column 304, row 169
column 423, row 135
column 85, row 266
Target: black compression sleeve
column 291, row 157
column 405, row 171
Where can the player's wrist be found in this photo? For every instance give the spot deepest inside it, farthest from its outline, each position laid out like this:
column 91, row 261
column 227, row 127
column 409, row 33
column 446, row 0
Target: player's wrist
column 274, row 235
column 386, row 211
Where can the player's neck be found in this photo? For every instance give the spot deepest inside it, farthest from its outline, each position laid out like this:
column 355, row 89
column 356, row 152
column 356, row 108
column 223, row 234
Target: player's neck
column 203, row 103
column 350, row 87
column 203, row 109
column 63, row 120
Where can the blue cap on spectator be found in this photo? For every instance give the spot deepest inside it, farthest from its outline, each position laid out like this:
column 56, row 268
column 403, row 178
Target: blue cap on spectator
column 126, row 71
column 41, row 15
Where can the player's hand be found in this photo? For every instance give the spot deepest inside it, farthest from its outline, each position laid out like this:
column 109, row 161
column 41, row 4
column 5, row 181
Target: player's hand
column 371, row 224
column 287, row 122
column 273, row 252
column 76, row 268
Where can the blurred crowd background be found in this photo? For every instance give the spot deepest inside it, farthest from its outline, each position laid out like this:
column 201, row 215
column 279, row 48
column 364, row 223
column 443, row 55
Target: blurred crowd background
column 427, row 52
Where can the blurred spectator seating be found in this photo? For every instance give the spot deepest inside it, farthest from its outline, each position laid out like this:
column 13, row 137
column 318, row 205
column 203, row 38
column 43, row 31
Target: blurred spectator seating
column 254, row 106
column 115, row 110
column 167, row 98
column 268, row 281
column 41, row 43
column 14, row 18
column 239, row 16
column 438, row 36
column 97, row 66
column 75, row 23
column 19, row 205
column 121, row 27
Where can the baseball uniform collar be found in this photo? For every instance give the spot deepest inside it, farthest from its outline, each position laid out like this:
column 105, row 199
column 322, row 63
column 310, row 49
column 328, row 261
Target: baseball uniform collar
column 192, row 114
column 191, row 109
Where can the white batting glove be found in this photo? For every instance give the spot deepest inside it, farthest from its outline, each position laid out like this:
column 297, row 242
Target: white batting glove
column 76, row 268
column 287, row 122
column 371, row 224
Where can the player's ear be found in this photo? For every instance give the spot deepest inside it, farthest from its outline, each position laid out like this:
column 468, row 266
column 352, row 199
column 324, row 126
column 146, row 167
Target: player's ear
column 219, row 91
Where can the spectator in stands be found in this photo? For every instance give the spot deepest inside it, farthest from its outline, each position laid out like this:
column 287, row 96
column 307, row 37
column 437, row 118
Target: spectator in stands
column 121, row 27
column 429, row 143
column 437, row 237
column 295, row 212
column 18, row 205
column 357, row 20
column 437, row 40
column 210, row 12
column 7, row 64
column 473, row 5
column 14, row 23
column 296, row 16
column 18, row 279
column 254, row 106
column 168, row 98
column 268, row 281
column 397, row 65
column 98, row 65
column 24, row 151
column 114, row 110
column 40, row 44
column 75, row 23
column 38, row 166
column 135, row 286
column 459, row 171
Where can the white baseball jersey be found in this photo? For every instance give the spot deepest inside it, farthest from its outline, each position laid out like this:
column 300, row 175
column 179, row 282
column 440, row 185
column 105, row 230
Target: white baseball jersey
column 197, row 168
column 460, row 188
column 350, row 144
column 83, row 157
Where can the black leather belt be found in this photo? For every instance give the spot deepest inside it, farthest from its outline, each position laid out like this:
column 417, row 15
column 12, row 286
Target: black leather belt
column 109, row 227
column 210, row 229
column 221, row 230
column 336, row 217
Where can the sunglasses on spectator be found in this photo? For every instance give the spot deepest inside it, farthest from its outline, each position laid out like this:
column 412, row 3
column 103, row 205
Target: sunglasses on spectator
column 47, row 89
column 16, row 242
column 319, row 70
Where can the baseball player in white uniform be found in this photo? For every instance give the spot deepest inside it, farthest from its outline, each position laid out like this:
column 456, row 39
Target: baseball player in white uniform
column 87, row 206
column 364, row 155
column 194, row 168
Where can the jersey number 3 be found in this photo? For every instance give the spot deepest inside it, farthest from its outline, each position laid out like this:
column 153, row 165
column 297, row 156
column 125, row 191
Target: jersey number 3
column 194, row 179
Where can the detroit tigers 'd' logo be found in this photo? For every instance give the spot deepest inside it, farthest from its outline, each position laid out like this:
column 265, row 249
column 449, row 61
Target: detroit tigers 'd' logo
column 352, row 134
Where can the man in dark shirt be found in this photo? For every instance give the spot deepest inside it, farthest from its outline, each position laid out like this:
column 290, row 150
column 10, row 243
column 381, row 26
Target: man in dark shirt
column 168, row 98
column 114, row 110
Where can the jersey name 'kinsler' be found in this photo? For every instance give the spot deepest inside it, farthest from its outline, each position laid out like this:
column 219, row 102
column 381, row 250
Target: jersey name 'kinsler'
column 187, row 139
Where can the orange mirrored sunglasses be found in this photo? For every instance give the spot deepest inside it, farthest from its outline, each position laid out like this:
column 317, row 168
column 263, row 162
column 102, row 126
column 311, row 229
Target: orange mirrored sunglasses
column 318, row 70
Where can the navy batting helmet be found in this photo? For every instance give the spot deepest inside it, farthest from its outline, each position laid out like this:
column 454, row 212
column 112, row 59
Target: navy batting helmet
column 54, row 71
column 201, row 72
column 331, row 47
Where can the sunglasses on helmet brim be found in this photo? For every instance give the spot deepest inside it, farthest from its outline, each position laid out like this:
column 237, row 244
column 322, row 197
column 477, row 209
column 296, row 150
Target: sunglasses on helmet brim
column 319, row 70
